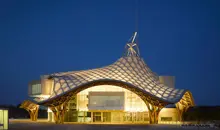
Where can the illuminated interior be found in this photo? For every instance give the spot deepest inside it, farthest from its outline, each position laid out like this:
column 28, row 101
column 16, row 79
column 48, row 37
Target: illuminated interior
column 132, row 102
column 113, row 103
column 3, row 119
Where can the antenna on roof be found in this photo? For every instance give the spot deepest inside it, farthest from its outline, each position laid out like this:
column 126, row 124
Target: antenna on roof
column 131, row 48
column 135, row 33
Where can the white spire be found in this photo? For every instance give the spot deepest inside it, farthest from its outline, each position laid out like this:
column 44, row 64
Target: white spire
column 131, row 48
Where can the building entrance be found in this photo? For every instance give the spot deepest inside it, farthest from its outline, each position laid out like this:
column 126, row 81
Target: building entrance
column 97, row 117
column 120, row 117
column 106, row 116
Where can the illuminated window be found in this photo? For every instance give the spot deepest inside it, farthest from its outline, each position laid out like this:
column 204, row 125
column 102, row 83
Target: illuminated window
column 36, row 89
column 3, row 119
column 166, row 118
column 132, row 102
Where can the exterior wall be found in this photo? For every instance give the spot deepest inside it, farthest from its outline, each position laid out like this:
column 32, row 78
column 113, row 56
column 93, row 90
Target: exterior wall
column 168, row 81
column 30, row 87
column 167, row 115
column 47, row 86
column 40, row 88
column 50, row 116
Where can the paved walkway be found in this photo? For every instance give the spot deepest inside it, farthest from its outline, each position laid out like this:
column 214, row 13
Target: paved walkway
column 44, row 125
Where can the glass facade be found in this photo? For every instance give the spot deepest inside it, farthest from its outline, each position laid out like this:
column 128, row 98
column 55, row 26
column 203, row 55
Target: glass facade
column 36, row 89
column 3, row 119
column 107, row 103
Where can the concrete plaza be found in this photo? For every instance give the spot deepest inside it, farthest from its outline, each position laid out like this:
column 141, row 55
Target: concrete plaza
column 44, row 125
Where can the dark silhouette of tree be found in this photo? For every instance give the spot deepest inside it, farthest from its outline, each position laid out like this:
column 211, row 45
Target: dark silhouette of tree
column 202, row 113
column 17, row 112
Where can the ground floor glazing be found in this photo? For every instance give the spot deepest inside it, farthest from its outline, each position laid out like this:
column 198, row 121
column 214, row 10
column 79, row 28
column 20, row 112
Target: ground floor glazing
column 106, row 117
column 109, row 104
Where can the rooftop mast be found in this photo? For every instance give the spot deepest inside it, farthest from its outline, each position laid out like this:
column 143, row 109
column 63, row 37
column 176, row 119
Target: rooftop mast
column 131, row 48
column 135, row 33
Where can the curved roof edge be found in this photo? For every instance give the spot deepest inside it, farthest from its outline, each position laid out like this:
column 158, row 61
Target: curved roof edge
column 104, row 82
column 131, row 71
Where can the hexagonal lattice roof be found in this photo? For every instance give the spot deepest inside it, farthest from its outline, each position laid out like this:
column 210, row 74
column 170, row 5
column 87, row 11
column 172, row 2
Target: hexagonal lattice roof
column 129, row 69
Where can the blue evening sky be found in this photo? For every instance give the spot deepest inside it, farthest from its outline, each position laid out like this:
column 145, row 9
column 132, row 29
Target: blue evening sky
column 178, row 37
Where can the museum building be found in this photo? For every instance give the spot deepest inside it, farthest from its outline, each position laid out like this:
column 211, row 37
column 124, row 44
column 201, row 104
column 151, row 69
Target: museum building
column 127, row 91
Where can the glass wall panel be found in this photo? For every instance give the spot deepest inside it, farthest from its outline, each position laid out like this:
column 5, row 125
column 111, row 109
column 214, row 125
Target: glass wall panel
column 106, row 116
column 97, row 117
column 166, row 118
column 106, row 101
column 132, row 102
column 116, row 105
column 5, row 112
column 4, row 119
column 36, row 88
